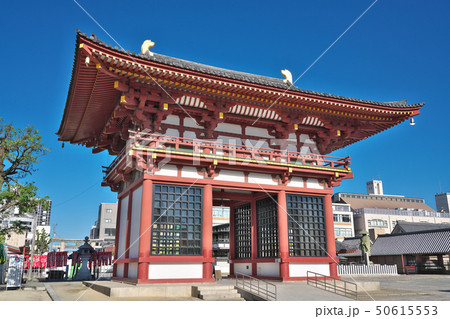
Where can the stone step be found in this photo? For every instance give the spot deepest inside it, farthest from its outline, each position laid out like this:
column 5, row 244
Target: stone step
column 218, row 293
column 223, row 299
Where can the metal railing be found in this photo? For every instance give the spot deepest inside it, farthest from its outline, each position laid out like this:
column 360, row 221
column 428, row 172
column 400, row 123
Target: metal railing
column 339, row 287
column 356, row 270
column 256, row 286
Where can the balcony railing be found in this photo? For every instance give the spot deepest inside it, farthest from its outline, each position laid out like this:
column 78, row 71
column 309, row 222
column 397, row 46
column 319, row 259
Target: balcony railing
column 224, row 151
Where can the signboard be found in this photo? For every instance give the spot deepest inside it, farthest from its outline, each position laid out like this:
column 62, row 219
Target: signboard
column 15, row 271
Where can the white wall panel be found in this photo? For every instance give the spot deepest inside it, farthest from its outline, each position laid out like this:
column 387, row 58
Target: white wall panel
column 168, row 170
column 268, row 269
column 300, row 269
column 175, row 271
column 190, row 172
column 122, row 227
column 172, row 119
column 120, row 270
column 261, row 179
column 135, row 222
column 230, row 176
column 133, row 270
column 313, row 183
column 243, row 268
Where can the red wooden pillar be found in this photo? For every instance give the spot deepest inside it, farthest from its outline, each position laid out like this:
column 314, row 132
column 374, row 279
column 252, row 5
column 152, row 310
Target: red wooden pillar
column 232, row 240
column 254, row 237
column 207, row 231
column 329, row 226
column 283, row 235
column 145, row 227
column 116, row 240
column 128, row 233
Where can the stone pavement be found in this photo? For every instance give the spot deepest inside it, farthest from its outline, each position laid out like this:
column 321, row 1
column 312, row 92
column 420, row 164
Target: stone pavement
column 402, row 287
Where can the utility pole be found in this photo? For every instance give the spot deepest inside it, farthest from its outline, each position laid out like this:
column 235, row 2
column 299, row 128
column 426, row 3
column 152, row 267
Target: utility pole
column 33, row 243
column 53, row 236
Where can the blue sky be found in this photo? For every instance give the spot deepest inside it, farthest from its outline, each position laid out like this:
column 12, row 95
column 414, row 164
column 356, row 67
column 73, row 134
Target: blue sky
column 398, row 49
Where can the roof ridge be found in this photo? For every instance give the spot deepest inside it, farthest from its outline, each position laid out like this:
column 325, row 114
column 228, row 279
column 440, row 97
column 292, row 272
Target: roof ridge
column 241, row 76
column 416, row 232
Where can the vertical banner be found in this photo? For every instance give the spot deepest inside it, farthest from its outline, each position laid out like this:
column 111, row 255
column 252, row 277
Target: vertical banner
column 36, row 261
column 43, row 261
column 15, row 271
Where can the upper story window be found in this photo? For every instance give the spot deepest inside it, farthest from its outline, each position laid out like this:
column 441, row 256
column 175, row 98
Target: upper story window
column 377, row 223
column 109, row 210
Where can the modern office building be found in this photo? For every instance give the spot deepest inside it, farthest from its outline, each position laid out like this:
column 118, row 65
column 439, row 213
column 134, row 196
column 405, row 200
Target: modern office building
column 105, row 225
column 442, row 202
column 343, row 221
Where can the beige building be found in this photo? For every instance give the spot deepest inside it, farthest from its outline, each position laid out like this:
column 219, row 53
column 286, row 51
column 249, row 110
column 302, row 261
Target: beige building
column 379, row 214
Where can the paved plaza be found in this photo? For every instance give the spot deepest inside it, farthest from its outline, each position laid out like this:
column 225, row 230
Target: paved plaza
column 402, row 288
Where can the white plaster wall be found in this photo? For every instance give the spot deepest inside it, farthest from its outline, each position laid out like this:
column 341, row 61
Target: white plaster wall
column 175, row 271
column 228, row 128
column 313, row 183
column 257, row 178
column 133, row 270
column 305, row 138
column 256, row 144
column 120, row 270
column 122, row 228
column 189, row 172
column 188, row 122
column 268, row 269
column 135, row 222
column 256, row 131
column 296, row 182
column 229, row 140
column 291, row 147
column 172, row 119
column 168, row 170
column 230, row 176
column 189, row 134
column 300, row 269
column 172, row 132
column 243, row 268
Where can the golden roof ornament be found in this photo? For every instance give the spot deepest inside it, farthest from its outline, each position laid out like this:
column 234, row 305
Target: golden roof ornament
column 146, row 46
column 287, row 76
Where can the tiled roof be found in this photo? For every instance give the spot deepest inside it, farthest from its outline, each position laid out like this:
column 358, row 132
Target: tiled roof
column 342, row 247
column 408, row 227
column 422, row 242
column 240, row 76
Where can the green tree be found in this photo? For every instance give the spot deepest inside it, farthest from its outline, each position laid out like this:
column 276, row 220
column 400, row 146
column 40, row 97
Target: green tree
column 20, row 150
column 42, row 241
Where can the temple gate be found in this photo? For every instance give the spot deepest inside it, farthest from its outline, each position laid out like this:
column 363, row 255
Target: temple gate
column 189, row 136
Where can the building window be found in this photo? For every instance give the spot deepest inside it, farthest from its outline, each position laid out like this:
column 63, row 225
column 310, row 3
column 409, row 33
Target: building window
column 109, row 210
column 242, row 232
column 377, row 223
column 342, row 218
column 177, row 220
column 110, row 232
column 107, row 220
column 267, row 227
column 306, row 226
column 343, row 232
